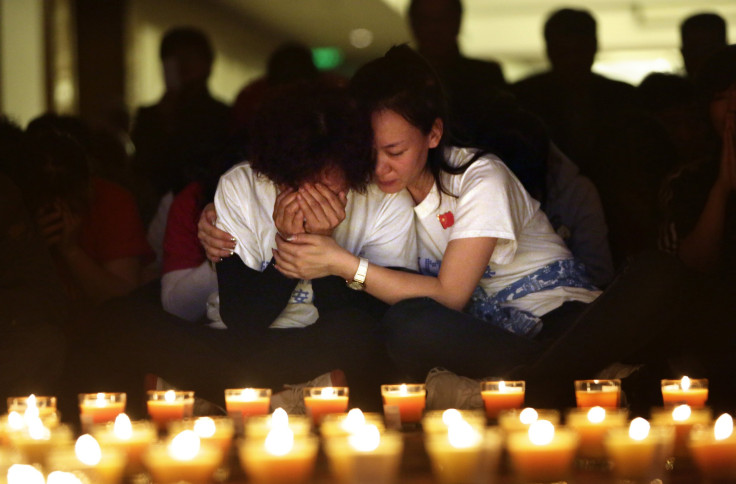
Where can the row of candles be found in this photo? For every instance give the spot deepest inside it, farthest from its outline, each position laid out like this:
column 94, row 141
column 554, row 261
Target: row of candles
column 280, row 448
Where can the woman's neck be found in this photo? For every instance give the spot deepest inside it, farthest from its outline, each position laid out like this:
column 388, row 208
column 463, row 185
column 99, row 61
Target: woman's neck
column 421, row 187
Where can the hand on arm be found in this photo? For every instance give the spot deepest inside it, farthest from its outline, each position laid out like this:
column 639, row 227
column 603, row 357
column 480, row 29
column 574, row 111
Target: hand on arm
column 287, row 215
column 217, row 243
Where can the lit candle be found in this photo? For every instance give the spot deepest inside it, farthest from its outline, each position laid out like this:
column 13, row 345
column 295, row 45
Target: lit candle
column 693, row 392
column 682, row 417
column 366, row 455
column 24, row 474
column 514, row 419
column 639, row 452
column 45, row 405
column 279, row 458
column 406, row 400
column 713, row 449
column 104, row 466
column 183, row 458
column 465, row 453
column 321, row 401
column 258, row 427
column 438, row 421
column 543, row 453
column 165, row 406
column 247, row 401
column 501, row 395
column 217, row 431
column 34, row 440
column 132, row 438
column 598, row 393
column 100, row 407
column 592, row 425
column 344, row 424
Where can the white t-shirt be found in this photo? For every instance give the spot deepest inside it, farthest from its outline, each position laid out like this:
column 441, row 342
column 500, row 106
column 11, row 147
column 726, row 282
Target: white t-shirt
column 491, row 202
column 377, row 226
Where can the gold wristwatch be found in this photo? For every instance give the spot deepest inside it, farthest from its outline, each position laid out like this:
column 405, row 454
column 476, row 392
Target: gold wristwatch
column 358, row 282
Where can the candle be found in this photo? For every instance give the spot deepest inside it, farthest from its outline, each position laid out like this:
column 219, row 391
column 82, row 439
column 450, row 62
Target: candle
column 34, row 406
column 247, row 401
column 464, row 453
column 321, row 401
column 438, row 421
column 217, row 431
column 513, row 420
column 366, row 456
column 344, row 424
column 639, row 452
column 280, row 458
column 591, row 425
column 693, row 392
column 598, row 393
column 258, row 427
column 682, row 417
column 184, row 458
column 132, row 438
column 501, row 395
column 713, row 449
column 34, row 440
column 24, row 474
column 103, row 466
column 543, row 453
column 405, row 400
column 165, row 406
column 101, row 407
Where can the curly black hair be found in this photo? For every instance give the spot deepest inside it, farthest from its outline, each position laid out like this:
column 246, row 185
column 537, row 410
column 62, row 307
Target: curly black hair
column 303, row 128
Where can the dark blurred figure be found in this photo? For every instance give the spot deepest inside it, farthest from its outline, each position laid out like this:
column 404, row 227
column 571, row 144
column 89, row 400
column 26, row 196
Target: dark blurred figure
column 701, row 35
column 579, row 107
column 471, row 85
column 290, row 62
column 173, row 137
column 91, row 226
column 33, row 305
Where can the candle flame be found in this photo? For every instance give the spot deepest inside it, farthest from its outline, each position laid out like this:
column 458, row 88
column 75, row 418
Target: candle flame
column 451, row 416
column 541, row 432
column 24, row 474
column 170, row 396
column 681, row 413
column 59, row 477
column 502, row 386
column 15, row 420
column 204, row 427
column 723, row 427
column 528, row 415
column 639, row 429
column 365, row 439
column 31, row 411
column 462, row 435
column 37, row 430
column 88, row 450
column 279, row 418
column 596, row 415
column 122, row 428
column 403, row 390
column 279, row 441
column 685, row 383
column 354, row 420
column 100, row 399
column 249, row 394
column 184, row 446
column 328, row 392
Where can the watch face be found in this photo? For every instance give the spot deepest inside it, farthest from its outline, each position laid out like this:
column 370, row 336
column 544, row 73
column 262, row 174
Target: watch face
column 358, row 286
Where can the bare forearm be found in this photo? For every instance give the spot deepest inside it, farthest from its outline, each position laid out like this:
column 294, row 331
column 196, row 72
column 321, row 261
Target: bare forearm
column 98, row 283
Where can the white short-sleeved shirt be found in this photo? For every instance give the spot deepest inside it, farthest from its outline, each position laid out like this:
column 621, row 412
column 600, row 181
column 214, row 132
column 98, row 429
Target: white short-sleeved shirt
column 491, row 202
column 377, row 226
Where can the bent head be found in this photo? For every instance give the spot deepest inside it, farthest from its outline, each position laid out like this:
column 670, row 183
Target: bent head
column 407, row 108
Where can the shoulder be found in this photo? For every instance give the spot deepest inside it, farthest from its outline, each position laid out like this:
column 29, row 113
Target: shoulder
column 485, row 68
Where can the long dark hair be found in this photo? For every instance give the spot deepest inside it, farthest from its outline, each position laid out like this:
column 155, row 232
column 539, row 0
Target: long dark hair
column 404, row 82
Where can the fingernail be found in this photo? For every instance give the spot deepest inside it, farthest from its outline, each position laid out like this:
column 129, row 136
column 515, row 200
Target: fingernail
column 232, row 239
column 232, row 252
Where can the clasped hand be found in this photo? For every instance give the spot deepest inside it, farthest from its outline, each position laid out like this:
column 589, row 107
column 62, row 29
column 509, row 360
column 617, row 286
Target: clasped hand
column 59, row 226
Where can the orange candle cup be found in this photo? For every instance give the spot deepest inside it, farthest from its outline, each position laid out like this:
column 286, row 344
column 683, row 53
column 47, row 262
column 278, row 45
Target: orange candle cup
column 592, row 424
column 95, row 408
column 682, row 418
column 165, row 406
column 258, row 426
column 438, row 421
column 640, row 452
column 280, row 458
column 464, row 453
column 713, row 448
column 87, row 457
column 689, row 391
column 35, row 441
column 598, row 393
column 247, row 401
column 46, row 405
column 514, row 420
column 365, row 456
column 132, row 438
column 408, row 400
column 321, row 401
column 183, row 458
column 217, row 431
column 501, row 395
column 543, row 453
column 344, row 424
